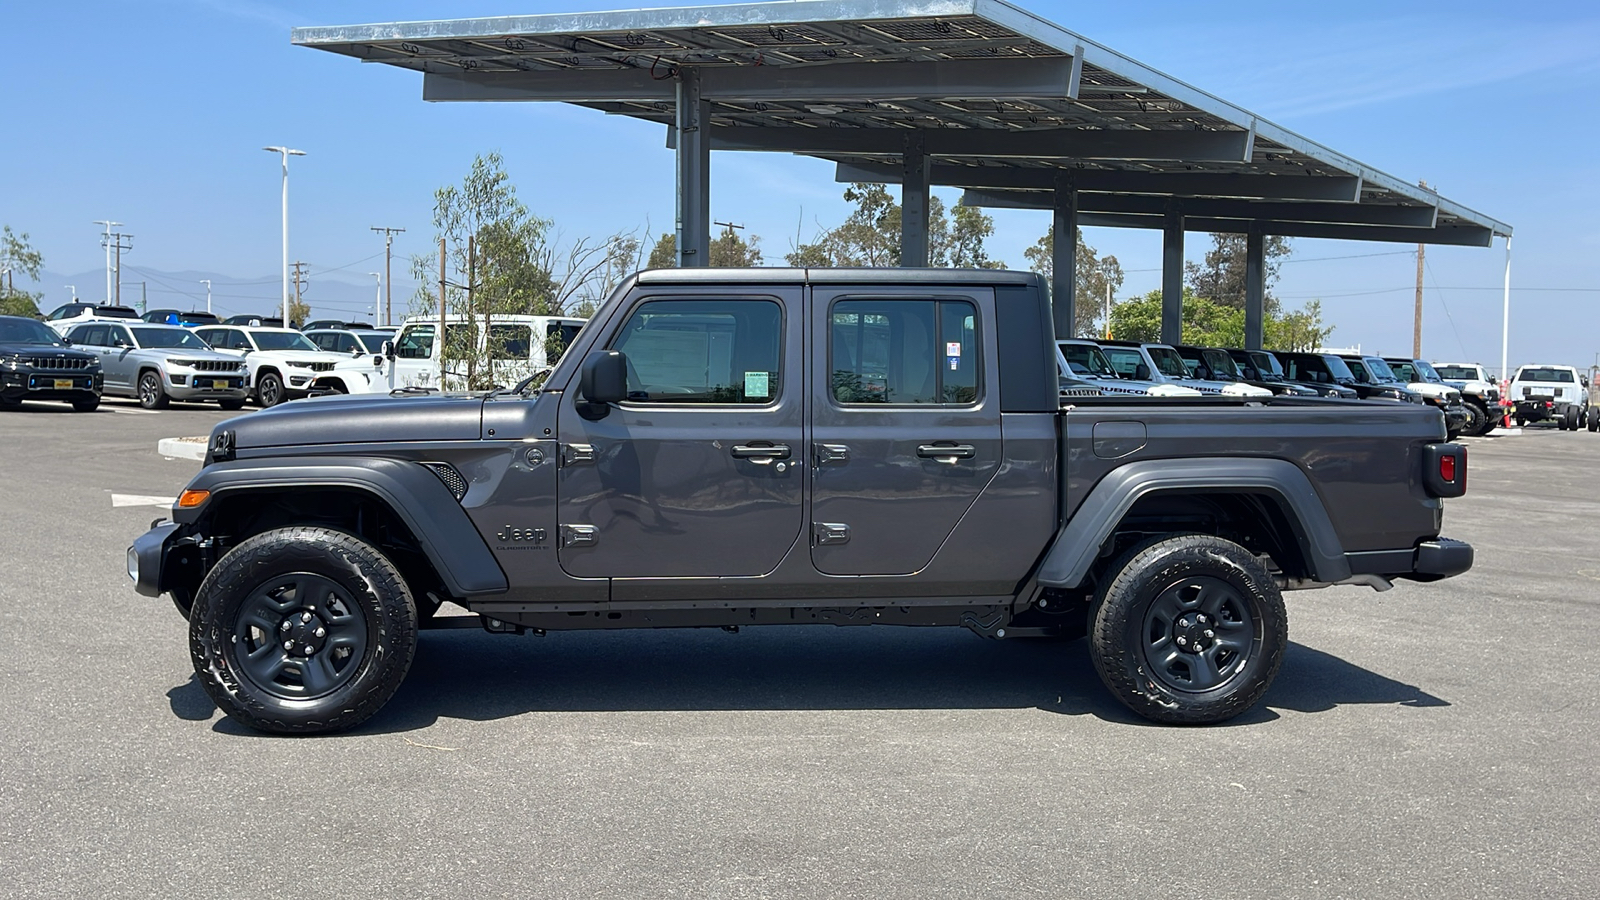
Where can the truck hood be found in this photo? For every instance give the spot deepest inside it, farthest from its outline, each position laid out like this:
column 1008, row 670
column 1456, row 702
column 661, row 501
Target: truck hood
column 48, row 351
column 359, row 419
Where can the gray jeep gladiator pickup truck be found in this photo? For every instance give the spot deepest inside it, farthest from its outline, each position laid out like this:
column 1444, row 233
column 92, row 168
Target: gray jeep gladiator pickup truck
column 748, row 447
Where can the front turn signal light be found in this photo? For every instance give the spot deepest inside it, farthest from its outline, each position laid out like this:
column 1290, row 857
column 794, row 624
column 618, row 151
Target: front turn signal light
column 191, row 499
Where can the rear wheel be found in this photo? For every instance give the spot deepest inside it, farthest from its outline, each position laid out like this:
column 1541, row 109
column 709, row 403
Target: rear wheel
column 151, row 393
column 302, row 630
column 1594, row 421
column 1188, row 630
column 1569, row 419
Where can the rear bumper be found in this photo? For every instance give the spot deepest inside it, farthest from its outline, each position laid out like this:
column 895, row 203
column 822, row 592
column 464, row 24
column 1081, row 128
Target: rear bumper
column 1428, row 561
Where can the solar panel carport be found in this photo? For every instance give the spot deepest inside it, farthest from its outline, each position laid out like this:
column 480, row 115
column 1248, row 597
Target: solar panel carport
column 976, row 94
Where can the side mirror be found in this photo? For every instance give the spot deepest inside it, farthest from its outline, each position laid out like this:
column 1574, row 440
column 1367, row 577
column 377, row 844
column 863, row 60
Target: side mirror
column 356, row 350
column 388, row 349
column 66, row 342
column 604, row 378
column 1141, row 372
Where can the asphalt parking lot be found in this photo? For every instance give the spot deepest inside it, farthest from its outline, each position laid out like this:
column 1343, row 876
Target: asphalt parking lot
column 1432, row 741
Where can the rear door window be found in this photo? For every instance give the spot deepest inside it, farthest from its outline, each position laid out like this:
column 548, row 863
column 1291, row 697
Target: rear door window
column 904, row 352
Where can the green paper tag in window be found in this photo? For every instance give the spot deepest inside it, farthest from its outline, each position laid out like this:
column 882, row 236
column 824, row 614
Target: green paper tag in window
column 757, row 385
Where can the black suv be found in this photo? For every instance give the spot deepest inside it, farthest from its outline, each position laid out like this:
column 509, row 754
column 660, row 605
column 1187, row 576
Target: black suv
column 37, row 364
column 1262, row 366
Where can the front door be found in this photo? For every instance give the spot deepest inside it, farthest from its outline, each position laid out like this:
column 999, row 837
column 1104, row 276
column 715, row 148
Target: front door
column 906, row 427
column 700, row 472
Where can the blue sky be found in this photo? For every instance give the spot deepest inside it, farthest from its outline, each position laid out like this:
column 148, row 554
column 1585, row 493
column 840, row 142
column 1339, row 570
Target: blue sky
column 153, row 114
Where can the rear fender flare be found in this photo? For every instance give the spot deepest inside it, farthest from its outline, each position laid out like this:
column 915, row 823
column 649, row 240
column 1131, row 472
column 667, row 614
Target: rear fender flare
column 1068, row 561
column 443, row 529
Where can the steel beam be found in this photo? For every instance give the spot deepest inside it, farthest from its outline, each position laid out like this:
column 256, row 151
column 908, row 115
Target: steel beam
column 1172, row 274
column 914, row 201
column 1013, row 79
column 1052, row 143
column 1452, row 235
column 1330, row 188
column 694, row 171
column 1064, row 258
column 1345, row 213
column 1255, row 286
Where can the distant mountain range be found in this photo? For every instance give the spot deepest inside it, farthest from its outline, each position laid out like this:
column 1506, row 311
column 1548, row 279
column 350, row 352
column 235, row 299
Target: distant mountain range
column 342, row 295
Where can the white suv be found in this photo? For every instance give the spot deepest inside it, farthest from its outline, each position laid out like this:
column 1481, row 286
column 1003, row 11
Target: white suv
column 282, row 362
column 68, row 316
column 1551, row 392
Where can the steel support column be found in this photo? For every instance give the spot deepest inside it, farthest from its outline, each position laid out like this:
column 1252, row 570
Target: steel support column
column 914, row 201
column 694, row 171
column 1172, row 274
column 1255, row 286
column 1064, row 258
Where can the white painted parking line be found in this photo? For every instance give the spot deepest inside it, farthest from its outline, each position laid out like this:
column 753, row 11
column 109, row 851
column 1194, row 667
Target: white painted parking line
column 118, row 500
column 129, row 412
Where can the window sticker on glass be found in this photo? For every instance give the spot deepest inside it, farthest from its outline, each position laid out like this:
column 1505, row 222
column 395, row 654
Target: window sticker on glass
column 952, row 348
column 955, row 363
column 757, row 385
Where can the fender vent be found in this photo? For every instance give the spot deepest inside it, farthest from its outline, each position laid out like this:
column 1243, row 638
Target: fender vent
column 452, row 479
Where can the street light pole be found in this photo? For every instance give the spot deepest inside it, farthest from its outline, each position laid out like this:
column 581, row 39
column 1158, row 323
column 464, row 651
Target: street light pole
column 377, row 298
column 207, row 283
column 74, row 289
column 285, row 152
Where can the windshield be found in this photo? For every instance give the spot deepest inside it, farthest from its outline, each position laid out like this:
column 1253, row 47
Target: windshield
column 1169, row 362
column 1125, row 362
column 1221, row 364
column 1428, row 372
column 1458, row 373
column 167, row 338
column 374, row 341
column 1540, row 374
column 27, row 331
column 282, row 340
column 1380, row 370
column 1267, row 365
column 1087, row 360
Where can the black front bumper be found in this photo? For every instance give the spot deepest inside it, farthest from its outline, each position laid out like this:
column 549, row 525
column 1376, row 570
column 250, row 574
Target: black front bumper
column 146, row 556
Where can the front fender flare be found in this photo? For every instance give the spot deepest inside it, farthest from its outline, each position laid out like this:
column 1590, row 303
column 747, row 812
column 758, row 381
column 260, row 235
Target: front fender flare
column 1076, row 546
column 416, row 495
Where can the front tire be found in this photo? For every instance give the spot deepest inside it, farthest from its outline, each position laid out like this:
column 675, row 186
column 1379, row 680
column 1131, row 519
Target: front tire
column 89, row 405
column 269, row 389
column 1477, row 419
column 151, row 393
column 302, row 630
column 231, row 405
column 1188, row 630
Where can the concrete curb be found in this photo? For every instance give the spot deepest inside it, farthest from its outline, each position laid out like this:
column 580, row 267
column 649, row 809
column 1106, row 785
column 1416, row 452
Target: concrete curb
column 182, row 448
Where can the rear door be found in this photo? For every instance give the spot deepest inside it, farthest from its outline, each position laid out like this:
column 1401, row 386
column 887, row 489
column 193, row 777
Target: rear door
column 120, row 367
column 905, row 424
column 700, row 472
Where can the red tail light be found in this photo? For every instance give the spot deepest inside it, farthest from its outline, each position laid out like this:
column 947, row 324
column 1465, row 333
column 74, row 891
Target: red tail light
column 1447, row 468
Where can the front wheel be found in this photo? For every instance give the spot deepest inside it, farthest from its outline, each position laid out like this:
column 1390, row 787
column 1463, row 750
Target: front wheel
column 269, row 389
column 1477, row 419
column 231, row 405
column 302, row 630
column 89, row 404
column 151, row 394
column 1188, row 630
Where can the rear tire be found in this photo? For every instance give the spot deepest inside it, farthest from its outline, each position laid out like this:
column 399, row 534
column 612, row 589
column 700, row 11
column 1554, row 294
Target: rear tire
column 151, row 393
column 1167, row 596
column 302, row 630
column 1569, row 419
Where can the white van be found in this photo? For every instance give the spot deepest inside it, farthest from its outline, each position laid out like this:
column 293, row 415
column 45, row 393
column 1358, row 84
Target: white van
column 520, row 343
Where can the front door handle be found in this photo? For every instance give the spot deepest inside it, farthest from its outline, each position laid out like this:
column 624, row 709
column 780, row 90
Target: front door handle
column 760, row 451
column 946, row 452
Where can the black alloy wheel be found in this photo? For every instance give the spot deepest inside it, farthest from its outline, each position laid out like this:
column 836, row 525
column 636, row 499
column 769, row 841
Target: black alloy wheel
column 1188, row 629
column 151, row 394
column 269, row 389
column 302, row 630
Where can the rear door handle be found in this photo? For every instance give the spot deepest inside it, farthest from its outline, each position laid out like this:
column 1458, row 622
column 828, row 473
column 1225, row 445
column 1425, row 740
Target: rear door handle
column 760, row 451
column 946, row 452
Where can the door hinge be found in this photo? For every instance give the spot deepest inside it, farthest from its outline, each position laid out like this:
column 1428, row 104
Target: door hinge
column 579, row 535
column 577, row 454
column 830, row 533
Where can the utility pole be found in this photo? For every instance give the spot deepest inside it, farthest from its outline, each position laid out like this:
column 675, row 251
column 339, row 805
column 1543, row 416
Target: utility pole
column 388, row 270
column 105, row 241
column 1416, row 322
column 299, row 283
column 207, row 283
column 117, row 245
column 377, row 299
column 440, row 338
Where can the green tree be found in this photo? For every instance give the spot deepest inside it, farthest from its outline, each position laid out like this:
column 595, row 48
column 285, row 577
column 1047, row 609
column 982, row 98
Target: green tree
column 728, row 251
column 1221, row 276
column 1211, row 324
column 870, row 235
column 664, row 255
column 1097, row 277
column 18, row 255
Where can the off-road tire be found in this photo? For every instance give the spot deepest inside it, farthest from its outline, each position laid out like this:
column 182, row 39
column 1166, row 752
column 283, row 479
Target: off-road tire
column 152, row 395
column 231, row 405
column 89, row 405
column 1569, row 419
column 1188, row 574
column 293, row 571
column 269, row 389
column 1477, row 418
column 1594, row 421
